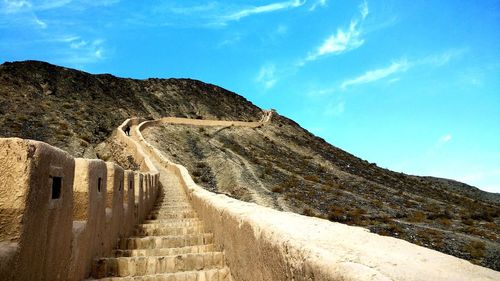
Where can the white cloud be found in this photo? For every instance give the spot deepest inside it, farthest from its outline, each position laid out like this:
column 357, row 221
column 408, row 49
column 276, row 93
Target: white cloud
column 267, row 76
column 334, row 109
column 15, row 6
column 78, row 44
column 445, row 138
column 260, row 9
column 442, row 58
column 363, row 9
column 403, row 65
column 394, row 80
column 40, row 23
column 19, row 6
column 377, row 74
column 53, row 4
column 318, row 93
column 230, row 41
column 343, row 40
column 79, row 51
column 193, row 9
column 318, row 3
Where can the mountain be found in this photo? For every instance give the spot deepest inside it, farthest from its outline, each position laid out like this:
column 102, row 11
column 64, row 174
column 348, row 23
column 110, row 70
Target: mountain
column 279, row 164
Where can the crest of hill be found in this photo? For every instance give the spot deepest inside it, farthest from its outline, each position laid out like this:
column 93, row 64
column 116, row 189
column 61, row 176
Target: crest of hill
column 75, row 110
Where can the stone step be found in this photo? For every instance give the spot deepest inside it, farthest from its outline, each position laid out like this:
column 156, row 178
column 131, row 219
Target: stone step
column 173, row 206
column 170, row 221
column 172, row 210
column 170, row 215
column 166, row 251
column 175, row 195
column 162, row 230
column 152, row 242
column 175, row 203
column 217, row 274
column 186, row 207
column 176, row 198
column 137, row 266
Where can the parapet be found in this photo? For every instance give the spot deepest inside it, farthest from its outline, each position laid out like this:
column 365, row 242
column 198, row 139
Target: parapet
column 36, row 196
column 264, row 244
column 57, row 213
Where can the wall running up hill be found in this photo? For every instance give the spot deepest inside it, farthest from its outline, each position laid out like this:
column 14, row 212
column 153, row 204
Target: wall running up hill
column 58, row 213
column 56, row 209
column 264, row 244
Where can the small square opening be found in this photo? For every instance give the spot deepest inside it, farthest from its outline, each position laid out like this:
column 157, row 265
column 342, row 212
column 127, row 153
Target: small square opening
column 99, row 183
column 56, row 187
column 130, row 185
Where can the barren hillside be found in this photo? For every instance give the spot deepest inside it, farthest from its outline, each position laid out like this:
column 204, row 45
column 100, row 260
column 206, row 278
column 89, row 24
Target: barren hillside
column 279, row 164
column 75, row 110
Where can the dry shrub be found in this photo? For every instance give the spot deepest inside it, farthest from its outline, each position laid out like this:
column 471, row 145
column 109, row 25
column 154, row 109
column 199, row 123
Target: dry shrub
column 416, row 217
column 476, row 249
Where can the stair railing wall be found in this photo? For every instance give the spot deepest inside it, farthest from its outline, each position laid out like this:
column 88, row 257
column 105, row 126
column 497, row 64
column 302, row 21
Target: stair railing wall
column 58, row 213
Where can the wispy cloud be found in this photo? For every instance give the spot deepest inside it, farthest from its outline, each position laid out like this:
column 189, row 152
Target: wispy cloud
column 40, row 23
column 267, row 76
column 19, row 6
column 377, row 74
column 316, row 4
column 442, row 58
column 403, row 65
column 343, row 40
column 334, row 109
column 212, row 14
column 189, row 10
column 243, row 13
column 445, row 138
column 14, row 6
column 78, row 51
column 233, row 39
column 363, row 9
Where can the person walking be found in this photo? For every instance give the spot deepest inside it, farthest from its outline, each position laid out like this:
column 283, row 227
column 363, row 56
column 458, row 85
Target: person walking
column 127, row 130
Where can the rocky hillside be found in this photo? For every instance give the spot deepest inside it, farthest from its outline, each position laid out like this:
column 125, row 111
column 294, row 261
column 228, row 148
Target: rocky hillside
column 75, row 110
column 279, row 165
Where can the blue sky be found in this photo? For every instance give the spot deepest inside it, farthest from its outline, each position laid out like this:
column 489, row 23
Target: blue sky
column 413, row 86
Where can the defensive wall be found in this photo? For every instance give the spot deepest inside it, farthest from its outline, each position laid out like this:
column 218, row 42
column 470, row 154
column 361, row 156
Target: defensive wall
column 58, row 213
column 261, row 243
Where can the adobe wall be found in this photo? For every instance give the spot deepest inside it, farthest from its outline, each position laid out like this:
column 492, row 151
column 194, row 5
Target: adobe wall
column 114, row 204
column 57, row 213
column 128, row 203
column 35, row 210
column 264, row 244
column 89, row 214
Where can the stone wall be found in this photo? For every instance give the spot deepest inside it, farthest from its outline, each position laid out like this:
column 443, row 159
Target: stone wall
column 264, row 244
column 58, row 213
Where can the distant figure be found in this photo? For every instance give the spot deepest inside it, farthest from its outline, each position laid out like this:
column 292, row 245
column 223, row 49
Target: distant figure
column 127, row 130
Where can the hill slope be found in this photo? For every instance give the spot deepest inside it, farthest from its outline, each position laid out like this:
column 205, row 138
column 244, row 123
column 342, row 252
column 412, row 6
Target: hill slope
column 75, row 110
column 280, row 165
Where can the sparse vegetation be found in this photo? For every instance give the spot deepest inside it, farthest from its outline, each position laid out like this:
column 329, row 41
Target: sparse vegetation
column 279, row 162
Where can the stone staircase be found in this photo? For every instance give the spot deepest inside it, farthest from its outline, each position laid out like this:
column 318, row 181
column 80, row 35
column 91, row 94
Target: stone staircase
column 171, row 245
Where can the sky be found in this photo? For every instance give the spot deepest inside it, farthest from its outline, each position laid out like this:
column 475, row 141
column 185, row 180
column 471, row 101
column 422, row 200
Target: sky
column 413, row 86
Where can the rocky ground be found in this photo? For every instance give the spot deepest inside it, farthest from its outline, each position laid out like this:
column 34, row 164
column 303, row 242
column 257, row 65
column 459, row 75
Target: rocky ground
column 279, row 165
column 282, row 166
